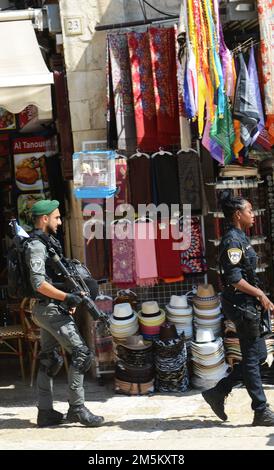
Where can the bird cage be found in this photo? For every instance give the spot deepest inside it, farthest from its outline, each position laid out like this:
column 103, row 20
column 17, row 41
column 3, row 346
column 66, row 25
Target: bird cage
column 94, row 174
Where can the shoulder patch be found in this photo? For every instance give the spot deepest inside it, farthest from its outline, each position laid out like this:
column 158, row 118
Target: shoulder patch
column 234, row 255
column 36, row 265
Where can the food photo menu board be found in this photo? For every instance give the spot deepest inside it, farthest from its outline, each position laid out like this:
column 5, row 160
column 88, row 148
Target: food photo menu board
column 30, row 155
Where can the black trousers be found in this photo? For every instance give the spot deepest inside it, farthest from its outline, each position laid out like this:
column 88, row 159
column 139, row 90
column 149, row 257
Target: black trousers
column 248, row 370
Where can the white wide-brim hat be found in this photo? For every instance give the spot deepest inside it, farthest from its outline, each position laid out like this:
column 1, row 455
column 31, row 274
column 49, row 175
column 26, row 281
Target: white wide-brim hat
column 123, row 315
column 184, row 320
column 124, row 332
column 207, row 348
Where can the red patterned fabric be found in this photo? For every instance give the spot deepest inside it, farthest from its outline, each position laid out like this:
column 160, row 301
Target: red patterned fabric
column 163, row 59
column 143, row 93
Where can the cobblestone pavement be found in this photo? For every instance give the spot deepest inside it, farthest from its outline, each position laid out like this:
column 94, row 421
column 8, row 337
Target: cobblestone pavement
column 160, row 421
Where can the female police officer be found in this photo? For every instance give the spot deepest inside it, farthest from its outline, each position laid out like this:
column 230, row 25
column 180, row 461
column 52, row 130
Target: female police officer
column 243, row 302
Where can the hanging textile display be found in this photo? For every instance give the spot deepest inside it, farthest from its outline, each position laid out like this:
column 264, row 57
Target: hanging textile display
column 266, row 23
column 165, row 171
column 190, row 181
column 168, row 259
column 121, row 195
column 140, row 181
column 192, row 259
column 143, row 92
column 245, row 105
column 163, row 59
column 145, row 254
column 185, row 132
column 123, row 256
column 120, row 87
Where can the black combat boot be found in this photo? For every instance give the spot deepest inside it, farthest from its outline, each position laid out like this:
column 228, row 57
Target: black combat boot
column 216, row 401
column 81, row 414
column 49, row 418
column 263, row 418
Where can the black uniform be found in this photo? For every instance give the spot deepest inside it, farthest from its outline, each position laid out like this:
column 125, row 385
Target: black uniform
column 238, row 261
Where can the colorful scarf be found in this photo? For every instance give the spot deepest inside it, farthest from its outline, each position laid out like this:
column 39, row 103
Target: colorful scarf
column 121, row 195
column 143, row 92
column 123, row 256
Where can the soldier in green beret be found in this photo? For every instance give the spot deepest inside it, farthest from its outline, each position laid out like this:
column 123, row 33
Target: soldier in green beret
column 53, row 312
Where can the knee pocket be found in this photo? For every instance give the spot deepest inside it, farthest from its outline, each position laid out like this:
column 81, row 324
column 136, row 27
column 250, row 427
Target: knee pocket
column 81, row 359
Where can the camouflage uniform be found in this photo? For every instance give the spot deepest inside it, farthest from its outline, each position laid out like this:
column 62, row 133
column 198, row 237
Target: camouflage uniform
column 58, row 328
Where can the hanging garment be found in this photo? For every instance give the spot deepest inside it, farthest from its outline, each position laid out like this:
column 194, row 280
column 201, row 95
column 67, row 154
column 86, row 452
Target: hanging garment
column 185, row 133
column 140, row 181
column 96, row 256
column 122, row 90
column 112, row 137
column 190, row 174
column 227, row 65
column 145, row 254
column 192, row 259
column 222, row 132
column 143, row 92
column 168, row 259
column 245, row 105
column 163, row 59
column 253, row 77
column 121, row 195
column 215, row 150
column 123, row 256
column 266, row 15
column 165, row 171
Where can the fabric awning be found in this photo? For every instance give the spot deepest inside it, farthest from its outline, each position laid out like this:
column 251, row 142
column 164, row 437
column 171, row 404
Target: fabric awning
column 24, row 76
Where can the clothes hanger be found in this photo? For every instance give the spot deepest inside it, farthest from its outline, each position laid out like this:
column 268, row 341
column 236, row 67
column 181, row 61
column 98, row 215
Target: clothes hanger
column 161, row 151
column 119, row 155
column 187, row 150
column 143, row 218
column 139, row 154
column 121, row 221
column 102, row 296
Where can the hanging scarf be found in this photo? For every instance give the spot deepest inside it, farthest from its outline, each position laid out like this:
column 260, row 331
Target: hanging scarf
column 163, row 60
column 140, row 181
column 122, row 90
column 168, row 259
column 222, row 132
column 143, row 92
column 121, row 195
column 145, row 254
column 123, row 256
column 253, row 76
column 245, row 105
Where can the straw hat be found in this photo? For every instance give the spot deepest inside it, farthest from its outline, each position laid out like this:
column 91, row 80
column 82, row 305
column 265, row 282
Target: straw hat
column 151, row 314
column 122, row 315
column 206, row 297
column 178, row 305
column 136, row 343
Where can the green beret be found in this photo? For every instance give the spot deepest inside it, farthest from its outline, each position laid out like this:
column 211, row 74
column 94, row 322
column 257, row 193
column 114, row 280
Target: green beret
column 44, row 207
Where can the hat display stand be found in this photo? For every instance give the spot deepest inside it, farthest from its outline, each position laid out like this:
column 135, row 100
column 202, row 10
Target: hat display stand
column 208, row 360
column 180, row 313
column 207, row 309
column 170, row 360
column 134, row 370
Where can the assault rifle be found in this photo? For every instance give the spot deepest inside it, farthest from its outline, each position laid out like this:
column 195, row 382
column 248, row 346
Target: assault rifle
column 76, row 284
